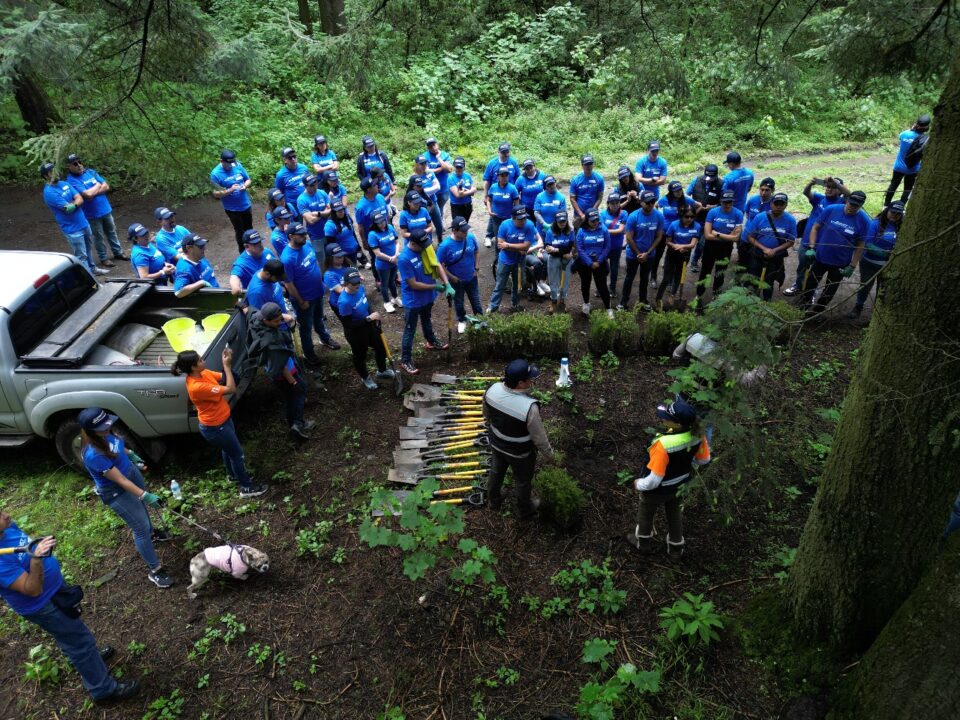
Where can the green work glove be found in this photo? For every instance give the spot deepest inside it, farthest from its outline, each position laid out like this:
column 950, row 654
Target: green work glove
column 449, row 290
column 70, row 207
column 810, row 253
column 150, row 499
column 440, row 287
column 137, row 460
column 875, row 249
column 847, row 271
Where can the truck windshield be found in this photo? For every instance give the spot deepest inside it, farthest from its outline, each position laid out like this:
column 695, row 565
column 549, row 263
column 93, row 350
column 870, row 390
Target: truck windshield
column 48, row 306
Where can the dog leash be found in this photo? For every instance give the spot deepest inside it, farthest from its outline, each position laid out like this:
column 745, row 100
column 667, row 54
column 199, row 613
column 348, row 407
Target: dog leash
column 218, row 536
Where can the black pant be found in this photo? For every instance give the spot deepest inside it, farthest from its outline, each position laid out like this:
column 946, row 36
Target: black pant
column 361, row 337
column 599, row 277
column 716, row 252
column 772, row 270
column 908, row 181
column 834, row 275
column 655, row 267
column 293, row 397
column 242, row 220
column 632, row 266
column 464, row 211
column 522, row 477
column 672, row 271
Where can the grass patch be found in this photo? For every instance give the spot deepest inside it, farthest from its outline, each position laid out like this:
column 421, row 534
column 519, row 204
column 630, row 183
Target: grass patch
column 663, row 330
column 522, row 335
column 619, row 334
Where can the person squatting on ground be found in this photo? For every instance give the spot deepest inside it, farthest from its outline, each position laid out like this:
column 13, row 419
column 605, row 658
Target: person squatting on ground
column 673, row 454
column 32, row 585
column 362, row 328
column 516, row 434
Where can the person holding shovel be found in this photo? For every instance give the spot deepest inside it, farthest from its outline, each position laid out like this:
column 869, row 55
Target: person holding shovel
column 362, row 329
column 460, row 257
column 516, row 434
column 561, row 248
column 418, row 289
column 681, row 238
column 771, row 234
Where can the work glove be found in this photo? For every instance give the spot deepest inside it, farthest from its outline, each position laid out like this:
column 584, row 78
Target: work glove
column 440, row 287
column 70, row 207
column 876, row 249
column 449, row 290
column 810, row 253
column 847, row 271
column 150, row 499
column 647, row 482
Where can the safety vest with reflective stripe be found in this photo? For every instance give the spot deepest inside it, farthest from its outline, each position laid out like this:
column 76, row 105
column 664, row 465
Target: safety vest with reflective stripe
column 681, row 449
column 507, row 412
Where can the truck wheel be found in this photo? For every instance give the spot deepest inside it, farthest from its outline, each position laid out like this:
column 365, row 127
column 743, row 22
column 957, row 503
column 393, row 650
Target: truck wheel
column 68, row 443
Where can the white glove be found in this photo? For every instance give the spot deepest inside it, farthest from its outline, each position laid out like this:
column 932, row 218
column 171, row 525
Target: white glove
column 648, row 482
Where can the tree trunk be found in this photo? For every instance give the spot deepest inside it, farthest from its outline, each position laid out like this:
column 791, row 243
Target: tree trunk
column 332, row 20
column 303, row 14
column 888, row 483
column 913, row 668
column 35, row 107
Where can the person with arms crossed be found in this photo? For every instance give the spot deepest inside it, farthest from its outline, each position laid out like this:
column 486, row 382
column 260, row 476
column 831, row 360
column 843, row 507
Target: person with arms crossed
column 461, row 188
column 586, row 191
column 372, row 157
column 593, row 248
column 500, row 199
column 231, row 183
column 706, row 190
column 289, row 178
column 65, row 201
column 96, row 208
column 313, row 206
column 651, row 170
column 194, row 271
column 323, row 158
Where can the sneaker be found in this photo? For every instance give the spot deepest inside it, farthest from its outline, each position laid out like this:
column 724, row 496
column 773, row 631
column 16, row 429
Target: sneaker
column 388, row 306
column 124, row 689
column 300, row 431
column 544, row 287
column 370, row 384
column 610, row 313
column 855, row 313
column 653, row 283
column 387, row 374
column 160, row 578
column 620, row 306
column 791, row 291
column 409, row 368
column 398, row 302
column 252, row 491
column 100, row 271
column 308, row 425
column 366, row 265
column 106, row 652
column 645, row 307
column 695, row 268
column 461, row 327
column 330, row 343
column 440, row 345
column 160, row 535
column 585, row 309
column 486, row 242
column 121, row 256
column 107, row 263
column 489, row 311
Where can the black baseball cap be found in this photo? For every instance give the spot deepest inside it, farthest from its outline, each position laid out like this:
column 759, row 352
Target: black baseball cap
column 711, row 170
column 648, row 196
column 317, row 139
column 194, row 239
column 334, row 250
column 653, row 145
column 430, row 141
column 674, row 185
column 768, row 182
column 780, row 197
column 353, row 277
column 368, row 141
column 163, row 213
column 593, row 214
column 96, row 419
column 519, row 212
column 857, row 198
column 276, row 194
column 270, row 311
column 727, row 196
column 504, row 170
column 251, row 237
column 734, row 157
column 379, row 215
column 504, row 147
column 613, row 197
column 586, row 159
column 561, row 215
column 136, row 230
column 460, row 224
column 897, row 207
column 421, row 160
column 310, row 179
column 332, row 175
column 549, row 180
column 416, row 180
column 520, row 370
column 366, row 183
column 46, row 169
column 528, row 163
column 923, row 121
column 72, row 158
column 296, row 228
column 228, row 155
column 337, row 205
column 281, row 213
column 624, row 171
column 413, row 197
column 419, row 237
column 287, row 152
column 459, row 162
column 679, row 411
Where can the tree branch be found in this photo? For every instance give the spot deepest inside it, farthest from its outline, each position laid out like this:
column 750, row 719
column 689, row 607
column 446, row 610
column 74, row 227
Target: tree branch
column 761, row 22
column 796, row 27
column 653, row 34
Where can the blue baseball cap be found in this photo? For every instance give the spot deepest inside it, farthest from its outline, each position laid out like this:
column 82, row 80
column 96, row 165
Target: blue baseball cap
column 679, row 411
column 727, row 196
column 163, row 213
column 334, row 250
column 251, row 237
column 653, row 145
column 648, row 196
column 296, row 228
column 520, row 370
column 194, row 239
column 281, row 213
column 379, row 215
column 421, row 160
column 337, row 205
column 366, row 183
column 519, row 213
column 228, row 155
column 136, row 230
column 310, row 179
column 96, row 419
column 353, row 277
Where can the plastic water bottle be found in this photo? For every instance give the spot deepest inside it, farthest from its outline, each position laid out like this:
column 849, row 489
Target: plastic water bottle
column 564, row 379
column 175, row 489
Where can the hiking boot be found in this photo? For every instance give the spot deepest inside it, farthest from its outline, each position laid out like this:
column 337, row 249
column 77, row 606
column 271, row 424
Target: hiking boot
column 252, row 491
column 107, row 263
column 160, row 535
column 370, row 384
column 330, row 343
column 553, row 307
column 160, row 578
column 300, row 431
column 791, row 291
column 643, row 543
column 675, row 550
column 106, row 652
column 124, row 690
column 855, row 313
column 387, row 374
column 408, row 367
column 439, row 345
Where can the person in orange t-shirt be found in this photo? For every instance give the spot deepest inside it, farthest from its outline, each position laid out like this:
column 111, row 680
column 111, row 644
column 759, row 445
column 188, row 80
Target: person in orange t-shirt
column 216, row 426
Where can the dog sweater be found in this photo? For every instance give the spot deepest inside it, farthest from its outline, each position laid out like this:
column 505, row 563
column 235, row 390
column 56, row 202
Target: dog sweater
column 226, row 558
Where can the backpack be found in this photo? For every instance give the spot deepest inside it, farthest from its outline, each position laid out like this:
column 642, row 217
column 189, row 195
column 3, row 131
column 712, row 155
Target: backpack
column 915, row 152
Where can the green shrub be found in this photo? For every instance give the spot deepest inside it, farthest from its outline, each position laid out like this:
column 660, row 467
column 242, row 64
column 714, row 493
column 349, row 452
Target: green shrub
column 561, row 495
column 791, row 317
column 522, row 335
column 619, row 334
column 663, row 330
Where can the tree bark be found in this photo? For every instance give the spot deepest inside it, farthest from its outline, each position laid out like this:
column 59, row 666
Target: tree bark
column 35, row 107
column 913, row 668
column 303, row 14
column 332, row 20
column 888, row 483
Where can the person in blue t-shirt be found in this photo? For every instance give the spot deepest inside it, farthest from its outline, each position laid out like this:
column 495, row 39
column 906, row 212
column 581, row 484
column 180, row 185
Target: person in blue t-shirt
column 614, row 219
column 834, row 192
column 593, row 248
column 491, row 172
column 514, row 238
column 266, row 285
column 96, row 208
column 500, row 199
column 385, row 245
column 334, row 270
column 275, row 199
column 323, row 158
column 440, row 164
column 367, row 206
column 739, row 180
column 361, row 326
column 644, row 234
column 915, row 137
column 651, row 170
column 305, row 287
column 340, row 229
column 836, row 245
column 65, row 202
column 249, row 262
column 231, row 184
column 290, row 177
column 460, row 256
column 429, row 186
column 278, row 238
column 881, row 239
column 28, row 583
column 548, row 203
column 194, row 271
column 672, row 205
column 418, row 290
column 313, row 207
column 461, row 188
column 414, row 217
column 386, row 187
column 146, row 260
column 560, row 247
column 756, row 204
column 722, row 231
column 169, row 237
column 529, row 184
column 680, row 238
column 331, row 185
column 372, row 157
column 771, row 233
column 586, row 190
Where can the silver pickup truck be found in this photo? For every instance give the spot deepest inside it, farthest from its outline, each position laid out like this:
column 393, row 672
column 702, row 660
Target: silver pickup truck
column 67, row 342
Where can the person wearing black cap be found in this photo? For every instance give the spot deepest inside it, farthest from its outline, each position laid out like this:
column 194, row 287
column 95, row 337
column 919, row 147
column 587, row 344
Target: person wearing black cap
column 500, row 199
column 530, row 184
column 418, row 290
column 331, row 185
column 266, row 286
column 629, row 189
column 335, row 269
column 341, row 230
column 651, row 170
column 169, row 236
column 96, row 208
column 548, row 203
column 120, row 485
column 323, row 158
column 881, row 239
column 614, row 219
column 771, row 234
column 492, row 171
column 313, row 206
column 282, row 218
column 739, row 180
column 65, row 201
column 460, row 256
column 516, row 433
column 672, row 456
column 290, row 177
column 644, row 234
column 414, row 216
column 146, row 259
column 194, row 271
column 369, row 205
column 672, row 205
column 385, row 246
column 722, row 231
column 230, row 185
column 836, row 245
column 586, row 190
column 362, row 329
column 756, row 204
column 680, row 238
column 249, row 262
column 461, row 188
column 386, row 188
column 706, row 190
column 560, row 247
column 431, row 190
column 305, row 287
column 514, row 238
column 593, row 248
column 907, row 165
column 275, row 199
column 270, row 345
column 834, row 193
column 439, row 162
column 370, row 157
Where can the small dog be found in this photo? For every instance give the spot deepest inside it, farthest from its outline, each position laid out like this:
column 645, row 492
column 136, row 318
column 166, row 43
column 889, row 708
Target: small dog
column 236, row 560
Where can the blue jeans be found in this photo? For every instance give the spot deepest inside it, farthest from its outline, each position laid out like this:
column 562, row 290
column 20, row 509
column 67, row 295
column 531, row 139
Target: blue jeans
column 470, row 288
column 388, row 281
column 410, row 317
column 506, row 273
column 442, row 199
column 76, row 641
column 614, row 258
column 436, row 217
column 225, row 437
column 81, row 244
column 493, row 226
column 868, row 271
column 309, row 319
column 134, row 513
column 556, row 265
column 104, row 233
column 698, row 251
column 803, row 262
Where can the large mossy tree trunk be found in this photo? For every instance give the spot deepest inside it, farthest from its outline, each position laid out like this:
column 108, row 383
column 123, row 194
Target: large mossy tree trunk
column 887, row 485
column 332, row 18
column 33, row 102
column 913, row 669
